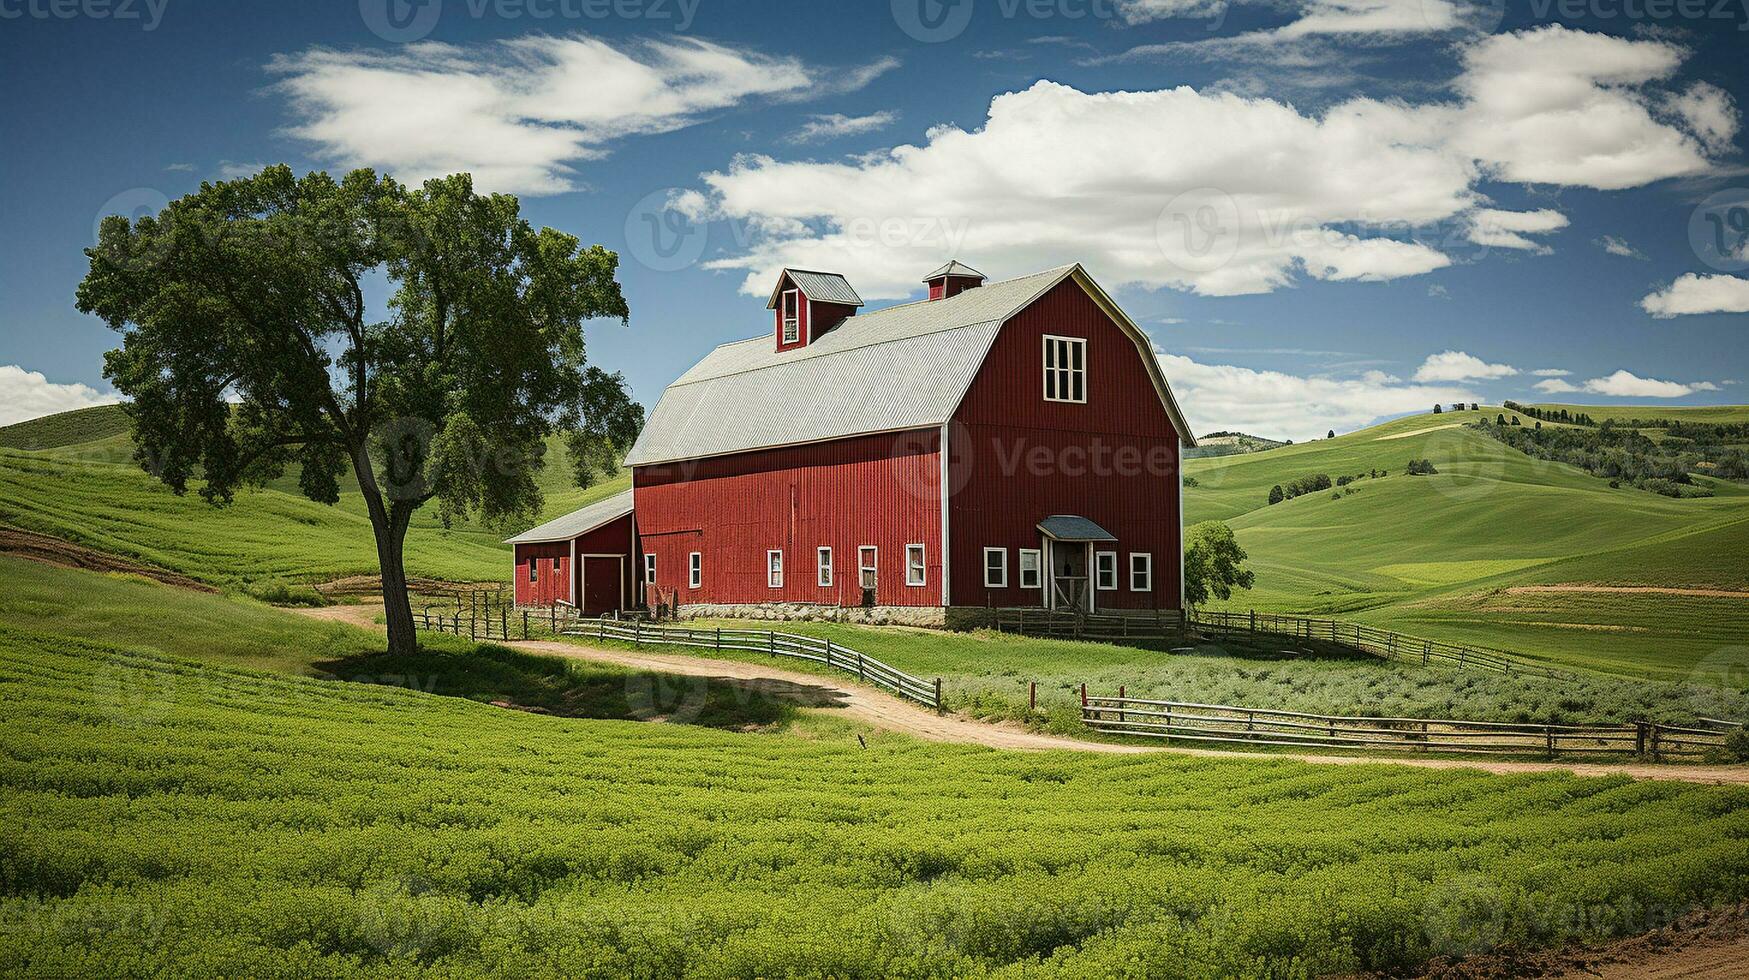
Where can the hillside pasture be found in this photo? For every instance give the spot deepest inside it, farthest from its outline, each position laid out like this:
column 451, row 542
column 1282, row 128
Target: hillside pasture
column 177, row 816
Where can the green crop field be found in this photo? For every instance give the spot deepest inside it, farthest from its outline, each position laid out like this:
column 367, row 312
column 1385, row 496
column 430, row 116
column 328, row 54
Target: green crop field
column 89, row 490
column 1440, row 555
column 165, row 809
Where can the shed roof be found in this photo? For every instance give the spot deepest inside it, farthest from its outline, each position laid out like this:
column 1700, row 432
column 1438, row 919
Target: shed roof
column 1068, row 527
column 580, row 521
column 823, row 287
column 898, row 368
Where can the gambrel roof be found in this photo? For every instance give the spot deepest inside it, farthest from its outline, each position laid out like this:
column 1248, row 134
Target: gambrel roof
column 821, row 287
column 898, row 368
column 577, row 522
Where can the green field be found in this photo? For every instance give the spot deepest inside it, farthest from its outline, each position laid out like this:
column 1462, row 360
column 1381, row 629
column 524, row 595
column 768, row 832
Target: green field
column 1716, row 414
column 89, row 490
column 164, row 809
column 1434, row 555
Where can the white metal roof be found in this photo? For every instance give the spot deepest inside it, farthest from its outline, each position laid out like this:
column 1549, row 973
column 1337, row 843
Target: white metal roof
column 902, row 367
column 824, row 287
column 954, row 268
column 580, row 521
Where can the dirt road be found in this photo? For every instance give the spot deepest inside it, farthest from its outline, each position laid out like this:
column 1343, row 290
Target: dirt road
column 887, row 713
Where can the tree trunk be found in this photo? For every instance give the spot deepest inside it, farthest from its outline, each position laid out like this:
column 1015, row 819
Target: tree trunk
column 389, row 524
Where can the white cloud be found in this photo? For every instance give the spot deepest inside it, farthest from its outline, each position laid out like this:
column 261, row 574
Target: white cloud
column 1215, row 192
column 1455, row 365
column 1506, row 229
column 1552, row 373
column 1437, row 291
column 28, row 395
column 1617, row 246
column 1626, row 384
column 233, row 170
column 1371, row 20
column 519, row 114
column 836, row 124
column 1556, row 386
column 1694, row 293
column 1710, row 113
column 1280, row 405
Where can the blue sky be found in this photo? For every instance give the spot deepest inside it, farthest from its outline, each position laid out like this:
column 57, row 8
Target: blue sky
column 1325, row 211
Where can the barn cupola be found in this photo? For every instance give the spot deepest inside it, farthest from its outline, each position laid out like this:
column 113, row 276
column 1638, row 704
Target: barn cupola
column 808, row 304
column 952, row 279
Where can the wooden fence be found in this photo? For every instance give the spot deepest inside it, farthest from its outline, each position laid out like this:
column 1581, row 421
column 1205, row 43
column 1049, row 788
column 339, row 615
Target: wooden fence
column 1388, row 644
column 1266, row 726
column 1104, row 627
column 495, row 621
column 833, row 655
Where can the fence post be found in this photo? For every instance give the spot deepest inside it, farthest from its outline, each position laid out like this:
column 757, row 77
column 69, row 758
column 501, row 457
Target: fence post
column 1120, row 703
column 504, row 623
column 938, row 705
column 637, row 633
column 525, row 624
column 1655, row 742
column 859, row 671
column 1032, row 697
column 770, row 643
column 1253, row 620
column 1639, row 738
column 1550, row 729
column 719, row 639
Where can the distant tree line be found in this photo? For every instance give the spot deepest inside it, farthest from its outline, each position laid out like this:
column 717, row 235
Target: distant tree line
column 1550, row 415
column 1317, row 482
column 1624, row 455
column 1420, row 467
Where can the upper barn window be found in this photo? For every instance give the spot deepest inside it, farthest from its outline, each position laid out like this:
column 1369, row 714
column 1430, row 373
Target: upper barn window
column 792, row 327
column 1065, row 369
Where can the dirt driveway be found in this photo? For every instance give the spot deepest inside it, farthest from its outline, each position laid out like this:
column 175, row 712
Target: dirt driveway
column 887, row 713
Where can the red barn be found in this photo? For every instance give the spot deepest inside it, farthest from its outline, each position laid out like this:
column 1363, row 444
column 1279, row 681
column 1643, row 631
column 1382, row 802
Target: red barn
column 995, row 445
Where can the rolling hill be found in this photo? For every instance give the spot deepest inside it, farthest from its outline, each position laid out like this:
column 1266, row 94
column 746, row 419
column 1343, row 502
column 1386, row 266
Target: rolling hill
column 80, row 483
column 1490, row 550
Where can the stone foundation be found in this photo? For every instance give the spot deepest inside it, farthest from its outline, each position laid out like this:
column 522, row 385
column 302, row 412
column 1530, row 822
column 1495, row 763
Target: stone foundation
column 930, row 616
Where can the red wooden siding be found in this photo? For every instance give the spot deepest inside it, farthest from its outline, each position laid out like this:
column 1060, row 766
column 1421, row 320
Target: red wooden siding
column 612, row 538
column 548, row 584
column 1015, row 458
column 878, row 490
column 824, row 316
column 948, row 286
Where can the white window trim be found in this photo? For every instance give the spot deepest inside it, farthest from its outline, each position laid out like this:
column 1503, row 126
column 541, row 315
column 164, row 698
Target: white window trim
column 921, row 567
column 774, row 573
column 1038, row 565
column 1147, row 571
column 792, row 326
column 1068, row 373
column 871, row 564
column 823, row 567
column 694, row 570
column 990, row 581
column 1099, row 557
column 649, row 568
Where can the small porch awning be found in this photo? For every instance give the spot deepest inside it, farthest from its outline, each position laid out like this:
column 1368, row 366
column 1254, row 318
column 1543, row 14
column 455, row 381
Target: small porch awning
column 1068, row 527
column 578, row 522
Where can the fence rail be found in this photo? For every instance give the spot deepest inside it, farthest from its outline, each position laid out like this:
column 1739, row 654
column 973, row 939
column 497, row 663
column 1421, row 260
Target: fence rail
column 833, row 655
column 1380, row 642
column 1268, row 726
column 1154, row 625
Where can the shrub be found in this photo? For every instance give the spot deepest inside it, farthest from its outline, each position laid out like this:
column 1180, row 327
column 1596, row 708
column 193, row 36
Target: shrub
column 1275, row 494
column 1421, row 467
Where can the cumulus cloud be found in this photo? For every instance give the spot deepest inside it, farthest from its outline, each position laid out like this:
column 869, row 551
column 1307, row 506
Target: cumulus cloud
column 1616, row 246
column 836, row 124
column 1709, row 112
column 29, row 394
column 1215, row 192
column 1555, row 386
column 1373, row 21
column 1506, row 229
column 519, row 114
column 1626, row 384
column 1455, row 365
column 1552, row 373
column 1694, row 293
column 1279, row 405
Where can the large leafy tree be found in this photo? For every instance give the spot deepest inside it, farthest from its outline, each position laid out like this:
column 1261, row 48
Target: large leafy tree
column 1214, row 564
column 248, row 347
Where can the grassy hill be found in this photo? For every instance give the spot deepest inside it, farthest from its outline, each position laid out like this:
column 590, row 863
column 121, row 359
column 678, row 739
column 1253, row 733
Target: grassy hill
column 90, row 491
column 1459, row 555
column 182, row 800
column 1230, row 444
column 1716, row 414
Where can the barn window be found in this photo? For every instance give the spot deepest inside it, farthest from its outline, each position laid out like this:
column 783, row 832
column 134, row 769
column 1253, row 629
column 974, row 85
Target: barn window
column 649, row 569
column 1105, row 570
column 534, row 569
column 823, row 567
column 1141, row 572
column 774, row 569
column 914, row 565
column 1065, row 369
column 866, row 567
column 792, row 324
column 1029, row 566
column 995, row 568
column 694, row 570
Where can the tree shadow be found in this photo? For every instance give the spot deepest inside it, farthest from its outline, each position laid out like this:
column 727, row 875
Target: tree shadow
column 551, row 685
